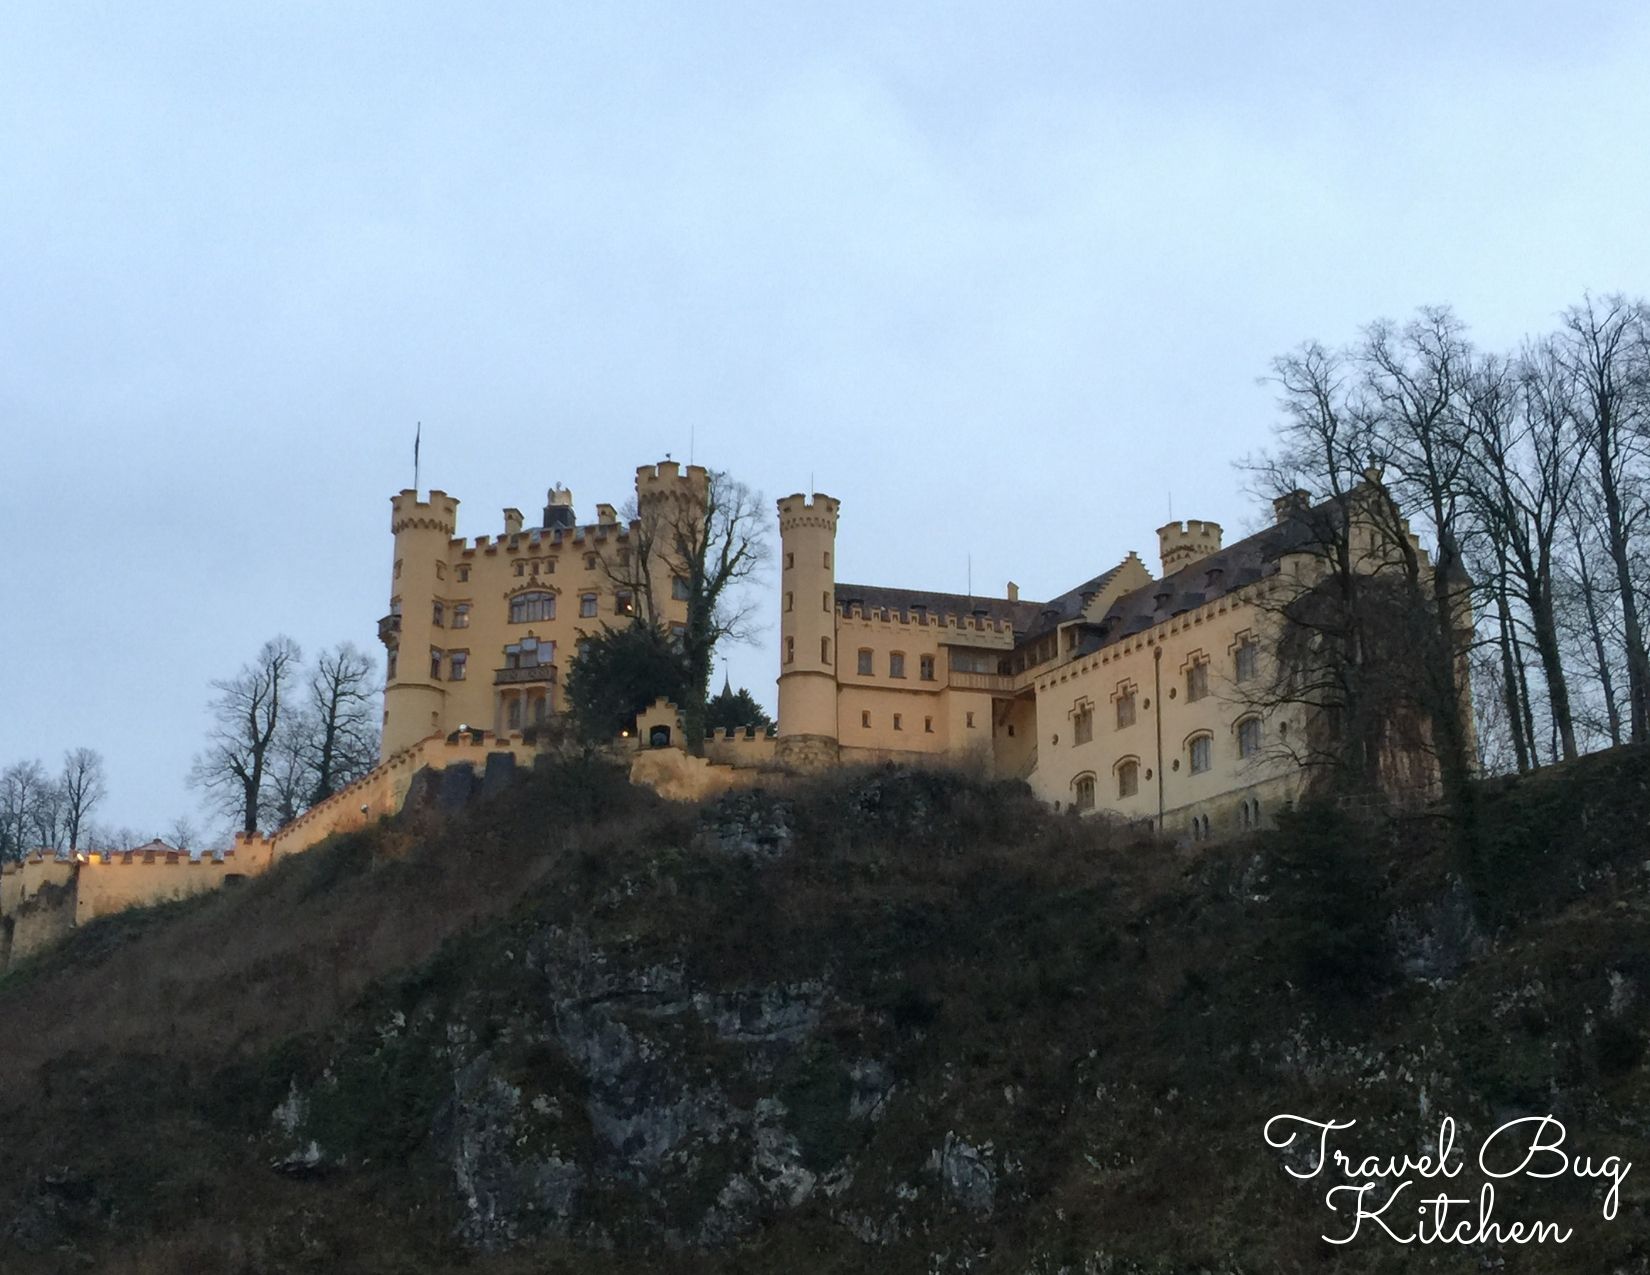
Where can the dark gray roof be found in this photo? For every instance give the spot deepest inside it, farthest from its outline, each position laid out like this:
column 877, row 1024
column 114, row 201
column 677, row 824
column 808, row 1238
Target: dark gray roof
column 906, row 601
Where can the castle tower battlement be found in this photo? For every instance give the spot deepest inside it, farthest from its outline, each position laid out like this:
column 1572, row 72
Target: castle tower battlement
column 807, row 628
column 1182, row 543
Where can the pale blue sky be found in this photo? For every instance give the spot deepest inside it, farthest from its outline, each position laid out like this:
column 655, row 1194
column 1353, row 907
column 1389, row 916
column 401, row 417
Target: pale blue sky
column 1007, row 274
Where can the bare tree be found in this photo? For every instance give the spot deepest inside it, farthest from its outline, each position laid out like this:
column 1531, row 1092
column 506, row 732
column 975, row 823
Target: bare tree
column 1606, row 347
column 342, row 712
column 181, row 833
column 696, row 546
column 247, row 713
column 82, row 785
column 22, row 786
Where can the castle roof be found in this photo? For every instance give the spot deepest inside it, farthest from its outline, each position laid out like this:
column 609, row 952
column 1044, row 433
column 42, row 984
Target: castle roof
column 873, row 597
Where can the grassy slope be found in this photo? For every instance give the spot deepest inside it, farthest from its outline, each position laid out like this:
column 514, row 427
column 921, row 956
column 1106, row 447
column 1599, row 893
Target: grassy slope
column 1116, row 1020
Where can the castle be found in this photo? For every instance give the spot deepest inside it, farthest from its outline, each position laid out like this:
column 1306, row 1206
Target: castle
column 1129, row 694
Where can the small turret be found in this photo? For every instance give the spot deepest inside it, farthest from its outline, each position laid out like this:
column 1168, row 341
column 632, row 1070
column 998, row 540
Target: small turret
column 1183, row 543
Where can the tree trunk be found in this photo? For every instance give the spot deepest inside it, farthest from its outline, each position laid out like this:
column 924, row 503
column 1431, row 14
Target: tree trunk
column 1509, row 676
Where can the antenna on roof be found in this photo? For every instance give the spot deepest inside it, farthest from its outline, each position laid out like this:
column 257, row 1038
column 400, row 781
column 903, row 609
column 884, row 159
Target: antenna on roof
column 693, row 434
column 418, row 435
column 971, row 581
column 1171, row 504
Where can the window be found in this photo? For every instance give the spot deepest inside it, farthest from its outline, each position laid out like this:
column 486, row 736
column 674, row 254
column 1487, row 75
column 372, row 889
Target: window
column 624, row 558
column 457, row 662
column 438, row 615
column 896, row 664
column 1248, row 733
column 1197, row 680
column 582, row 648
column 1125, row 707
column 827, row 560
column 790, row 561
column 1243, row 661
column 1082, row 723
column 529, row 653
column 441, row 571
column 679, row 591
column 968, row 720
column 790, row 601
column 678, row 636
column 928, row 726
column 1199, row 749
column 397, row 568
column 435, row 665
column 825, row 601
column 389, row 672
column 865, row 658
column 790, row 650
column 461, row 616
column 525, row 607
column 824, row 650
column 865, row 718
column 587, row 606
column 520, row 568
column 589, row 562
column 925, row 668
column 515, row 712
column 463, row 573
column 898, row 722
column 623, row 603
column 1085, row 792
column 1128, row 778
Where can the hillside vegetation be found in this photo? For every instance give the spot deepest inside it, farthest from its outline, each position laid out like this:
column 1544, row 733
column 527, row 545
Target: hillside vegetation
column 888, row 1021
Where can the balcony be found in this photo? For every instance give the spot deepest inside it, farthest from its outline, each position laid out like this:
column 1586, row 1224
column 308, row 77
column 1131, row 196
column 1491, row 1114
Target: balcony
column 388, row 629
column 996, row 683
column 530, row 674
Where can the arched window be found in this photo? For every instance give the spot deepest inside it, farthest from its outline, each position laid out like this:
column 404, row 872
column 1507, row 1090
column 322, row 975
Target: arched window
column 1083, row 786
column 1199, row 751
column 533, row 605
column 1248, row 737
column 1128, row 777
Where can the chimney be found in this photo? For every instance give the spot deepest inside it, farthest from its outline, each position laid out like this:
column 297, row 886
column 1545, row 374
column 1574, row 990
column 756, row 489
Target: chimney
column 1290, row 503
column 512, row 521
column 1183, row 543
column 606, row 515
column 1013, row 591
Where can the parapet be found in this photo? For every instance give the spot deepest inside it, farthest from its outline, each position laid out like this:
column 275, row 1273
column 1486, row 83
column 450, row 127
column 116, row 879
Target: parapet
column 818, row 510
column 668, row 478
column 409, row 513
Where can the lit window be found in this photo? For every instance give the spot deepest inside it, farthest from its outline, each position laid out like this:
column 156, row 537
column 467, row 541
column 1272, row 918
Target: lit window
column 679, row 590
column 925, row 668
column 1197, row 681
column 896, row 664
column 456, row 664
column 1248, row 734
column 865, row 658
column 461, row 616
column 525, row 607
column 623, row 604
column 1085, row 792
column 1200, row 754
column 1244, row 661
column 587, row 606
column 1125, row 708
column 1082, row 723
column 1128, row 779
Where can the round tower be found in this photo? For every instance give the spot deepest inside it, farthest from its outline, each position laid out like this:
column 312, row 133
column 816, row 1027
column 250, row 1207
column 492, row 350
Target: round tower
column 413, row 694
column 807, row 631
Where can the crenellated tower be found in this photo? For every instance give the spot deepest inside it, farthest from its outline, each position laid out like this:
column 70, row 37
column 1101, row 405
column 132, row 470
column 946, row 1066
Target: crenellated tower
column 413, row 694
column 807, row 631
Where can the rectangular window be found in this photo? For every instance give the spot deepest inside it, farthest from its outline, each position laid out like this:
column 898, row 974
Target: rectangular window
column 435, row 665
column 461, row 616
column 398, row 568
column 790, row 650
column 898, row 722
column 583, row 648
column 925, row 668
column 790, row 561
column 1125, row 709
column 1244, row 661
column 389, row 672
column 1082, row 724
column 438, row 614
column 928, row 726
column 1249, row 737
column 679, row 589
column 790, row 601
column 1128, row 779
column 457, row 662
column 623, row 604
column 1200, row 754
column 827, row 560
column 587, row 605
column 968, row 720
column 520, row 568
column 1085, row 793
column 463, row 573
column 515, row 712
column 865, row 719
column 896, row 664
column 1197, row 681
column 441, row 571
column 865, row 658
column 825, row 601
column 824, row 650
column 527, row 607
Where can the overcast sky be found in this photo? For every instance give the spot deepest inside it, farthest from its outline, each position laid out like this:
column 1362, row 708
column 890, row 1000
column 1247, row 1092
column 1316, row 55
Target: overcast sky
column 1002, row 278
